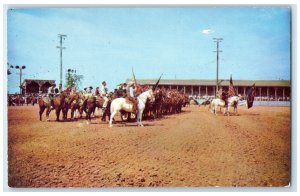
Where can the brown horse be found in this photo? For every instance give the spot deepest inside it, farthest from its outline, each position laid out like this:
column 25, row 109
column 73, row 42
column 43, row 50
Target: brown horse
column 69, row 102
column 58, row 103
column 89, row 106
column 76, row 104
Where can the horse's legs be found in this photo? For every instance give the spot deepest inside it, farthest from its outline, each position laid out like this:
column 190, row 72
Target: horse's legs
column 48, row 112
column 139, row 118
column 57, row 114
column 227, row 110
column 72, row 112
column 111, row 118
column 42, row 111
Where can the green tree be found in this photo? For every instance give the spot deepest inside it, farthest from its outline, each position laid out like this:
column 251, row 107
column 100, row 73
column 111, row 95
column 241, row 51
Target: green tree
column 73, row 79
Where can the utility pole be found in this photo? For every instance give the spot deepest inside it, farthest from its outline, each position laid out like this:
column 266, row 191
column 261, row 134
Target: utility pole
column 61, row 37
column 217, row 40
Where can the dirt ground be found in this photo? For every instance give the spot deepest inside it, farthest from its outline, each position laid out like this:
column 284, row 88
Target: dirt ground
column 191, row 149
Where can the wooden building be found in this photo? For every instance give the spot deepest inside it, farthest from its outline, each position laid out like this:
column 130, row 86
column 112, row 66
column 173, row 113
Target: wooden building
column 265, row 89
column 30, row 86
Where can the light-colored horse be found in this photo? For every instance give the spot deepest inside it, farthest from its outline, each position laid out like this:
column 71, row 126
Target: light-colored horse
column 232, row 101
column 119, row 104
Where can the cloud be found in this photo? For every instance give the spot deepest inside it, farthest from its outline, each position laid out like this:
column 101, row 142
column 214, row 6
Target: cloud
column 207, row 31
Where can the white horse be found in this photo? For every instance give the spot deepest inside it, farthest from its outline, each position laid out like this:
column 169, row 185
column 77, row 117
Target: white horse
column 119, row 104
column 232, row 101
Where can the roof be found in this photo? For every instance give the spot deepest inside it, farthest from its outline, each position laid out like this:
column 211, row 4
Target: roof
column 40, row 82
column 262, row 83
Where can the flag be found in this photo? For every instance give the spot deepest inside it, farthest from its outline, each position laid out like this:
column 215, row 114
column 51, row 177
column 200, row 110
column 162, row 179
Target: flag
column 231, row 91
column 250, row 96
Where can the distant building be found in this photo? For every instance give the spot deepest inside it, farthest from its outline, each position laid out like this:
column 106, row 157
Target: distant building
column 36, row 86
column 265, row 89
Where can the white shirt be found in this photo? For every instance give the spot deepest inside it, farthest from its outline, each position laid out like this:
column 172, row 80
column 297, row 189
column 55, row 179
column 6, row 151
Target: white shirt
column 103, row 90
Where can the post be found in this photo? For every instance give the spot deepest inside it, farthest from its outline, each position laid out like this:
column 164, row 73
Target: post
column 199, row 91
column 61, row 59
column 268, row 95
column 20, row 81
column 184, row 89
column 61, row 36
column 217, row 40
column 275, row 94
column 206, row 90
column 244, row 92
column 283, row 94
column 192, row 90
column 260, row 93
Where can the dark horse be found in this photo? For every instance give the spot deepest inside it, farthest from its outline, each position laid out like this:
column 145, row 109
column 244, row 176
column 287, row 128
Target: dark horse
column 89, row 106
column 58, row 103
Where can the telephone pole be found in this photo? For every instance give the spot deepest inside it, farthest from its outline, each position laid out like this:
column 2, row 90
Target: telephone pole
column 217, row 40
column 61, row 37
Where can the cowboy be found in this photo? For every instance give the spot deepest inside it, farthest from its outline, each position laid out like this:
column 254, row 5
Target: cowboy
column 97, row 93
column 90, row 90
column 74, row 90
column 131, row 95
column 224, row 97
column 104, row 93
column 51, row 93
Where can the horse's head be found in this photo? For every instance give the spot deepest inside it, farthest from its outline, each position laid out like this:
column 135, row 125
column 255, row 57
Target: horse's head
column 151, row 95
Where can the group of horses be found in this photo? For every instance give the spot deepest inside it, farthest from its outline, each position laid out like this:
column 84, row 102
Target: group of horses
column 152, row 102
column 19, row 100
column 76, row 102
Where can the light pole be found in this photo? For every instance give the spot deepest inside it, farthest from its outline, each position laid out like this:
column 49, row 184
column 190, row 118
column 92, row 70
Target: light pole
column 20, row 68
column 61, row 37
column 217, row 40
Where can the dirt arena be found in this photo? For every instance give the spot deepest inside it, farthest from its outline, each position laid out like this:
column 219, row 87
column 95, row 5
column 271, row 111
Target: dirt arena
column 191, row 149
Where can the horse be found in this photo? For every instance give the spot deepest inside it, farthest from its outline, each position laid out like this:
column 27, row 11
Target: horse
column 121, row 104
column 58, row 103
column 77, row 104
column 89, row 106
column 69, row 101
column 232, row 101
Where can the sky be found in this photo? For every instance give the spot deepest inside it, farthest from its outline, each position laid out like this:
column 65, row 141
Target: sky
column 107, row 43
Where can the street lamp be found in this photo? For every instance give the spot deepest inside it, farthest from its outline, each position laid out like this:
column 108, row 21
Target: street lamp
column 20, row 68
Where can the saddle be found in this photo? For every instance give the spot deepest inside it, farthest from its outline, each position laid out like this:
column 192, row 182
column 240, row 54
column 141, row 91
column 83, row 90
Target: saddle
column 133, row 101
column 46, row 99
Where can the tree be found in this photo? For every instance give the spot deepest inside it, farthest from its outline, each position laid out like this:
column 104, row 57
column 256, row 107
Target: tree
column 72, row 79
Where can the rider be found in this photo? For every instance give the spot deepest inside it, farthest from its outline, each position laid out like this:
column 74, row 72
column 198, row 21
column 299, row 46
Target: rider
column 131, row 95
column 60, row 88
column 51, row 93
column 90, row 90
column 104, row 93
column 74, row 90
column 97, row 93
column 224, row 96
